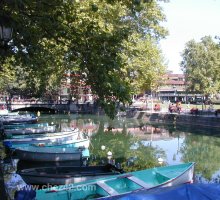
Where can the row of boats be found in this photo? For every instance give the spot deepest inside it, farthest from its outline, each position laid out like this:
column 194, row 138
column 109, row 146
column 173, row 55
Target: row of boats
column 40, row 143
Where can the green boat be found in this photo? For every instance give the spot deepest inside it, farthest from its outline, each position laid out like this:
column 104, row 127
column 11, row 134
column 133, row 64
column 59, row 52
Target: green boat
column 120, row 184
column 70, row 143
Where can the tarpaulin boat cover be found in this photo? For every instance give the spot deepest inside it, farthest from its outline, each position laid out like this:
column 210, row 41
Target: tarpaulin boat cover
column 25, row 195
column 183, row 192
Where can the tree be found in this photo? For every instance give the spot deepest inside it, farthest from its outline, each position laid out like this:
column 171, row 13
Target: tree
column 51, row 38
column 201, row 65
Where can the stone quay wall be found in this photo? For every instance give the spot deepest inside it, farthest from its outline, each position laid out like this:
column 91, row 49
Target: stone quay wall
column 198, row 120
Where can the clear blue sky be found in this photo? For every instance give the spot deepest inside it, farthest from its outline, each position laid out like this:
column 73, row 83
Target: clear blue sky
column 186, row 20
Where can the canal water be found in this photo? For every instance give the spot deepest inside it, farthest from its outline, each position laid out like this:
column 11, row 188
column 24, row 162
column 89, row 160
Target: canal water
column 136, row 144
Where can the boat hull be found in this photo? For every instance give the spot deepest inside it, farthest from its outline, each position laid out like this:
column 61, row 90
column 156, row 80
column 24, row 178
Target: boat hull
column 27, row 131
column 66, row 174
column 69, row 143
column 47, row 138
column 29, row 119
column 49, row 154
column 20, row 126
column 122, row 184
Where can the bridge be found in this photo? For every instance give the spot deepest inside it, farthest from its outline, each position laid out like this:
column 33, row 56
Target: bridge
column 51, row 107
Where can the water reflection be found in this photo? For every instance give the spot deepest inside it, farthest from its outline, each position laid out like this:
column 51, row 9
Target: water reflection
column 205, row 152
column 174, row 143
column 136, row 144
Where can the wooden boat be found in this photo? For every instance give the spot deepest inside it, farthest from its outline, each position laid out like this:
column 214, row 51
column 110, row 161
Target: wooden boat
column 41, row 135
column 26, row 131
column 50, row 154
column 24, row 164
column 9, row 133
column 66, row 174
column 71, row 143
column 6, row 112
column 29, row 118
column 196, row 191
column 65, row 144
column 21, row 126
column 45, row 138
column 121, row 184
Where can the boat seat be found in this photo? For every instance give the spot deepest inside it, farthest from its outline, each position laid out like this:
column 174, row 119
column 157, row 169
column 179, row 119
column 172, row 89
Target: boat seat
column 107, row 188
column 139, row 182
column 136, row 180
column 163, row 175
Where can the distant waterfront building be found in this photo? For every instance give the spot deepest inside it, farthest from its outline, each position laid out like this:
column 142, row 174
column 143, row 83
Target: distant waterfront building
column 174, row 89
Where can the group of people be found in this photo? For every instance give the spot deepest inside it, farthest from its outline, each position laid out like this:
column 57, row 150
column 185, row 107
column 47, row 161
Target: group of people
column 3, row 107
column 175, row 107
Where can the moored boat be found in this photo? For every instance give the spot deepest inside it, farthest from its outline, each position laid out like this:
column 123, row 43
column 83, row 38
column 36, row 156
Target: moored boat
column 51, row 154
column 21, row 126
column 6, row 112
column 27, row 118
column 24, row 164
column 121, row 184
column 66, row 174
column 45, row 138
column 9, row 133
column 69, row 143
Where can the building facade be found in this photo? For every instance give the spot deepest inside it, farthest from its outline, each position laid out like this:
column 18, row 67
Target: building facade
column 174, row 89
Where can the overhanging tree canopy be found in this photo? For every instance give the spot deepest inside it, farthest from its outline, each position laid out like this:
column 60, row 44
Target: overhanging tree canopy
column 93, row 37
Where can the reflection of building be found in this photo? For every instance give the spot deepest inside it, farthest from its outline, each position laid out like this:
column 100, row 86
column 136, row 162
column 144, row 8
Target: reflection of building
column 85, row 126
column 73, row 87
column 174, row 88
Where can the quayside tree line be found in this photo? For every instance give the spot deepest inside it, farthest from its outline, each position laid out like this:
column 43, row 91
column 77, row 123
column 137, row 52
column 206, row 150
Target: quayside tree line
column 113, row 44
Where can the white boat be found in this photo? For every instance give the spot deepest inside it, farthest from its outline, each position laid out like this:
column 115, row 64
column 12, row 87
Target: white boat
column 5, row 112
column 45, row 138
column 9, row 133
column 11, row 119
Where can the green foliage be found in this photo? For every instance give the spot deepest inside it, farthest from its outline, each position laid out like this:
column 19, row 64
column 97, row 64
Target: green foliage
column 203, row 151
column 120, row 144
column 106, row 40
column 201, row 65
column 143, row 63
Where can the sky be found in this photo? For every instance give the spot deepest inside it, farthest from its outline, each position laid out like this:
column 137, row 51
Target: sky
column 187, row 20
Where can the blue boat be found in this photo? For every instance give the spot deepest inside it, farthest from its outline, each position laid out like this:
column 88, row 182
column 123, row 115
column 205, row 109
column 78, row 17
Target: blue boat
column 65, row 144
column 51, row 154
column 197, row 191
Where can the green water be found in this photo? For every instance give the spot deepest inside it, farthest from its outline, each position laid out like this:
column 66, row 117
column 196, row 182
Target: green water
column 136, row 144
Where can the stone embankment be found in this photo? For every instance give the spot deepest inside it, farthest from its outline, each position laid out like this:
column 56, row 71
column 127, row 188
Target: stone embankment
column 200, row 120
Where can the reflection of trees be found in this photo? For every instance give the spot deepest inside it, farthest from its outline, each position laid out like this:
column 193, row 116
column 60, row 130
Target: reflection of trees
column 204, row 151
column 120, row 143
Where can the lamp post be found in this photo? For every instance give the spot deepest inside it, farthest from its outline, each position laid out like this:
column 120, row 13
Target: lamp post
column 175, row 93
column 5, row 30
column 5, row 36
